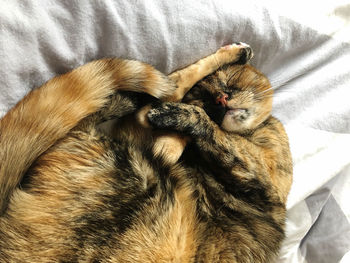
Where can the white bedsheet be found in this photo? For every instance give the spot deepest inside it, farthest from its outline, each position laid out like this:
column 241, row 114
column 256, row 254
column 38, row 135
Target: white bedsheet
column 303, row 47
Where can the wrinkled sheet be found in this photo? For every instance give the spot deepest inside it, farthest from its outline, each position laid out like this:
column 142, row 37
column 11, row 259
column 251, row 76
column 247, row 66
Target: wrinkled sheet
column 302, row 46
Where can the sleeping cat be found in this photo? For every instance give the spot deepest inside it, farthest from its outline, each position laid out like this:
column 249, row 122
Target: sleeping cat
column 238, row 164
column 71, row 194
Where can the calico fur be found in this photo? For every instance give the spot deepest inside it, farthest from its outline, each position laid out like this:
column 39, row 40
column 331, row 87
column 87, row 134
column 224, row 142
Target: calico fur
column 71, row 194
column 238, row 161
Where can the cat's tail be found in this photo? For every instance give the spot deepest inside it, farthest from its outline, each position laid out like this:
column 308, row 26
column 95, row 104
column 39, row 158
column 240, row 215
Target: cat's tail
column 48, row 113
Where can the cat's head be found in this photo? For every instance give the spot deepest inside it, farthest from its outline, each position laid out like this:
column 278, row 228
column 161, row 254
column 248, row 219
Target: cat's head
column 237, row 97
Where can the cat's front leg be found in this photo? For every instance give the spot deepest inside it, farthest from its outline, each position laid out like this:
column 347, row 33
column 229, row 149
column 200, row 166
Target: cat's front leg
column 185, row 78
column 226, row 149
column 188, row 119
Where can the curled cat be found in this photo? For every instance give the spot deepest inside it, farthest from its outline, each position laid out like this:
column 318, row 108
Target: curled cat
column 71, row 194
column 238, row 162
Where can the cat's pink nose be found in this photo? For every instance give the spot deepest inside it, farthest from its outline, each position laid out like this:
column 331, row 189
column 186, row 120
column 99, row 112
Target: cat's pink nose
column 222, row 99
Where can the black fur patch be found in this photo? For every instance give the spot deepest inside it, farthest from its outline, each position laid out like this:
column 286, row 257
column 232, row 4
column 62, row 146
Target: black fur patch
column 216, row 112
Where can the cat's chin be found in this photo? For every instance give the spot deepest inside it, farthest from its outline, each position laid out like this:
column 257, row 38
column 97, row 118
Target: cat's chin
column 235, row 120
column 237, row 112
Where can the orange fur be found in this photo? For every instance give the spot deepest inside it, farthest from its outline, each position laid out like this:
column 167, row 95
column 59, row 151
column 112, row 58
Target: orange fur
column 48, row 113
column 87, row 198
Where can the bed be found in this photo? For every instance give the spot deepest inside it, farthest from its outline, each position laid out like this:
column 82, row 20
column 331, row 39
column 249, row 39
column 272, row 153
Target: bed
column 302, row 46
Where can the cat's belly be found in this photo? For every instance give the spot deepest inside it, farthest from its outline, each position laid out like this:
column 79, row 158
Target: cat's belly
column 166, row 235
column 84, row 203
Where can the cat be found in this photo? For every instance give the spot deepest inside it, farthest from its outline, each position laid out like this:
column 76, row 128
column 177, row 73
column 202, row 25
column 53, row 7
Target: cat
column 238, row 163
column 71, row 194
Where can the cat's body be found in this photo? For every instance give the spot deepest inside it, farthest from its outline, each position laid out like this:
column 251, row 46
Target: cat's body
column 87, row 198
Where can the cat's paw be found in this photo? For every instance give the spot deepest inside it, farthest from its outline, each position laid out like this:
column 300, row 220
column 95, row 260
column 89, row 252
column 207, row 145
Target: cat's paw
column 246, row 53
column 185, row 118
column 167, row 115
column 141, row 116
column 238, row 52
column 170, row 145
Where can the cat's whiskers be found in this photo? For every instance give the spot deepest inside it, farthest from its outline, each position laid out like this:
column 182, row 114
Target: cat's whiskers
column 264, row 91
column 263, row 96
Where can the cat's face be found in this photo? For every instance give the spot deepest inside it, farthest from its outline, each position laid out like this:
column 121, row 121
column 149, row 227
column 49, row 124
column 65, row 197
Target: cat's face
column 238, row 97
